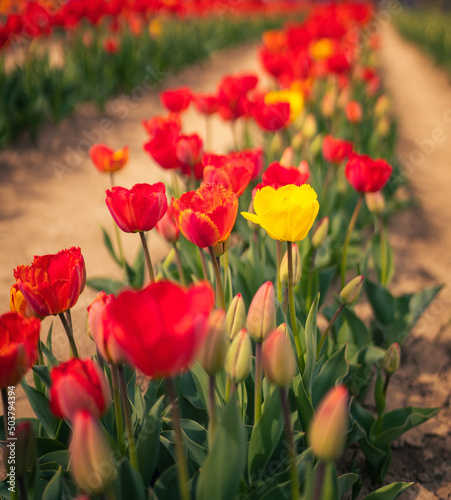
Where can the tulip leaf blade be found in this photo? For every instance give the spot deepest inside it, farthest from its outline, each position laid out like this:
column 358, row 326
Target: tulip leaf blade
column 305, row 408
column 346, row 481
column 128, row 483
column 265, row 436
column 109, row 245
column 389, row 492
column 382, row 302
column 224, row 466
column 54, row 488
column 310, row 346
column 105, row 284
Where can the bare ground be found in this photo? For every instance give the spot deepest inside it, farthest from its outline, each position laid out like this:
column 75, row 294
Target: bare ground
column 51, row 198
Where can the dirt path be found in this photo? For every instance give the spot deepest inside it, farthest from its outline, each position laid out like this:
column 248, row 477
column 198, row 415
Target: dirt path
column 421, row 237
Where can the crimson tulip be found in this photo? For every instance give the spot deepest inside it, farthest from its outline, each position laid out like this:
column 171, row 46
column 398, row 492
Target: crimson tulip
column 78, row 385
column 206, row 104
column 163, row 132
column 234, row 172
column 19, row 337
column 160, row 339
column 276, row 176
column 232, row 95
column 176, row 100
column 335, row 150
column 271, row 117
column 53, row 283
column 206, row 217
column 138, row 208
column 189, row 151
column 107, row 160
column 365, row 174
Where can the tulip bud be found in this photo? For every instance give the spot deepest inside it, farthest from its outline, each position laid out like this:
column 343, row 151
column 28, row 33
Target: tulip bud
column 287, row 157
column 327, row 433
column 351, row 291
column 222, row 247
column 383, row 126
column 382, row 106
column 276, row 145
column 303, row 167
column 320, row 235
column 309, row 127
column 297, row 141
column 343, row 98
column 316, row 145
column 328, row 103
column 297, row 266
column 375, row 202
column 213, row 351
column 167, row 226
column 279, row 363
column 26, row 450
column 239, row 357
column 354, row 112
column 236, row 316
column 92, row 459
column 261, row 317
column 392, row 358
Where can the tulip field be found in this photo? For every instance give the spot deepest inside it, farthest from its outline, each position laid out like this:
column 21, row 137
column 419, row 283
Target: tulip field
column 258, row 358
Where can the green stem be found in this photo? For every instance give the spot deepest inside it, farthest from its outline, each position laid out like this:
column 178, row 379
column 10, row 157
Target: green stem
column 70, row 335
column 279, row 246
column 227, row 389
column 225, row 265
column 348, row 237
column 290, row 443
column 327, row 180
column 22, row 488
column 178, row 261
column 329, row 326
column 69, row 319
column 294, row 324
column 383, row 245
column 118, row 410
column 219, row 288
column 147, row 256
column 203, row 264
column 387, row 381
column 182, row 471
column 319, row 480
column 308, row 299
column 211, row 411
column 258, row 382
column 128, row 418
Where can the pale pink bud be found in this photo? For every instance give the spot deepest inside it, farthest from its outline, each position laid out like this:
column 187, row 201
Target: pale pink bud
column 239, row 357
column 309, row 127
column 167, row 226
column 213, row 351
column 287, row 157
column 375, row 202
column 279, row 363
column 261, row 317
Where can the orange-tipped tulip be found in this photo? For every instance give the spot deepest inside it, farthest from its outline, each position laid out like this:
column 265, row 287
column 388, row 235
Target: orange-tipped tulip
column 106, row 160
column 279, row 363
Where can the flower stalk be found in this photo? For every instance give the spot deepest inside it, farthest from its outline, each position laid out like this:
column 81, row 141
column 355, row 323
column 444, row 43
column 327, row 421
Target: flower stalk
column 329, row 326
column 348, row 237
column 258, row 382
column 70, row 335
column 128, row 418
column 220, row 299
column 294, row 325
column 147, row 256
column 290, row 443
column 118, row 409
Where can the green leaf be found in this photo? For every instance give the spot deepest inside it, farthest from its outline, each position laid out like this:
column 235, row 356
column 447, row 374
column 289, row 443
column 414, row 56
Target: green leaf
column 109, row 246
column 311, row 346
column 359, row 331
column 166, row 486
column 43, row 373
column 395, row 423
column 330, row 487
column 60, row 458
column 128, row 483
column 420, row 301
column 201, row 381
column 332, row 373
column 305, row 408
column 379, row 397
column 224, row 466
column 148, row 442
column 41, row 408
column 54, row 488
column 49, row 355
column 195, row 438
column 389, row 492
column 346, row 481
column 265, row 436
column 105, row 284
column 382, row 302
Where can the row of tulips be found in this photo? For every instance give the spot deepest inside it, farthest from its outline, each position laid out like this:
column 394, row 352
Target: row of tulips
column 255, row 371
column 108, row 58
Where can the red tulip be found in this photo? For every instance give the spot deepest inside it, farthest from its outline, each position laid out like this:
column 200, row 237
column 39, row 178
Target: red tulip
column 138, row 208
column 353, row 112
column 232, row 92
column 167, row 226
column 206, row 216
column 276, row 176
column 53, row 283
column 19, row 337
column 365, row 174
column 176, row 100
column 234, row 172
column 189, row 151
column 107, row 160
column 78, row 385
column 161, row 327
column 335, row 150
column 17, row 302
column 271, row 117
column 206, row 104
column 163, row 133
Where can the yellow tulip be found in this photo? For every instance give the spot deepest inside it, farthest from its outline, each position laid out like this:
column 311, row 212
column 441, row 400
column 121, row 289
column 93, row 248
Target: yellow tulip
column 287, row 213
column 322, row 49
column 294, row 98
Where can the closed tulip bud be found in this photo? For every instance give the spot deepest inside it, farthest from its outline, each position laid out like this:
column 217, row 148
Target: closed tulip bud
column 320, row 235
column 304, row 168
column 276, row 145
column 343, row 98
column 287, row 157
column 328, row 103
column 297, row 141
column 213, row 351
column 390, row 363
column 297, row 266
column 316, row 145
column 383, row 126
column 279, row 363
column 167, row 226
column 382, row 106
column 309, row 127
column 327, row 433
column 239, row 357
column 353, row 111
column 222, row 247
column 351, row 291
column 26, row 451
column 92, row 459
column 235, row 318
column 261, row 317
column 375, row 202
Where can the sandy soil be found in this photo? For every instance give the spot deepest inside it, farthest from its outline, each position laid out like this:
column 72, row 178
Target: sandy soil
column 51, row 198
